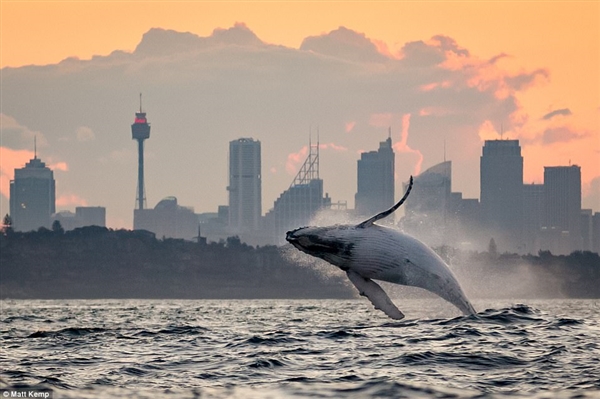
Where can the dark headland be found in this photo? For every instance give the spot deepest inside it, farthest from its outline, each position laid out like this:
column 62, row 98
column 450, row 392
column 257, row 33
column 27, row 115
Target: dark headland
column 96, row 262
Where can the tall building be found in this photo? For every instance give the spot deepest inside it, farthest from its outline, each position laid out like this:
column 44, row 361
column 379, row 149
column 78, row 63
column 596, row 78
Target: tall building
column 431, row 190
column 533, row 215
column 32, row 196
column 91, row 215
column 83, row 216
column 587, row 229
column 501, row 184
column 296, row 206
column 596, row 232
column 427, row 207
column 375, row 180
column 245, row 205
column 438, row 216
column 562, row 212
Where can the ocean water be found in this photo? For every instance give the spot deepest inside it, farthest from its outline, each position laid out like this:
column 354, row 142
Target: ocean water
column 300, row 349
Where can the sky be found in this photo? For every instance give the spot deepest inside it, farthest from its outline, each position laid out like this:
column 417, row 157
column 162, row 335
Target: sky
column 441, row 74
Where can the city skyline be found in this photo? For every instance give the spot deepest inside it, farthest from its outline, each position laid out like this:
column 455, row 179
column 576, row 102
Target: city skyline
column 501, row 148
column 518, row 217
column 431, row 85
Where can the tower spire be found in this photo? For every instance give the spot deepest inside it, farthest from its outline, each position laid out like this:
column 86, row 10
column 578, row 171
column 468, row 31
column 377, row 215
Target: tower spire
column 35, row 147
column 141, row 103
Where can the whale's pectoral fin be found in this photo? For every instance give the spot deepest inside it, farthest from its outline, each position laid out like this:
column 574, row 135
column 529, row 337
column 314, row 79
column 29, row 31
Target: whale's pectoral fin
column 381, row 215
column 376, row 294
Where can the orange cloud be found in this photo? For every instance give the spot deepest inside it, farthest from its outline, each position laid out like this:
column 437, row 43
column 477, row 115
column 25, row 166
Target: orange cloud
column 70, row 200
column 295, row 159
column 403, row 147
column 62, row 166
column 434, row 85
column 487, row 131
column 435, row 111
column 332, row 146
column 350, row 126
column 383, row 48
column 11, row 160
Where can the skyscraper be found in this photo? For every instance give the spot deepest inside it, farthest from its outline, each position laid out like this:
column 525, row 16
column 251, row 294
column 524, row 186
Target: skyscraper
column 375, row 180
column 533, row 213
column 245, row 204
column 297, row 205
column 431, row 191
column 562, row 215
column 428, row 205
column 501, row 184
column 32, row 196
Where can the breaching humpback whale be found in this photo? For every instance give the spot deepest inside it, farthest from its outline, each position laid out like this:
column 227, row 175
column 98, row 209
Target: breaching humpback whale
column 368, row 251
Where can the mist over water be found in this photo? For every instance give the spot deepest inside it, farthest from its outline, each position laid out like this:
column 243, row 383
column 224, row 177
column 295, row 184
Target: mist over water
column 480, row 277
column 300, row 348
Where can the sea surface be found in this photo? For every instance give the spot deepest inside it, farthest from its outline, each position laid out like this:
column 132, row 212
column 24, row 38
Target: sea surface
column 300, row 349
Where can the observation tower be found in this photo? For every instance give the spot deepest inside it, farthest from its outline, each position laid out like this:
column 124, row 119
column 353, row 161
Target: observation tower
column 140, row 131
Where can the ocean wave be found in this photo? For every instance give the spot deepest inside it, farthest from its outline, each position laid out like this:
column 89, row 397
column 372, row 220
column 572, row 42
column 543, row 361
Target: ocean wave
column 259, row 349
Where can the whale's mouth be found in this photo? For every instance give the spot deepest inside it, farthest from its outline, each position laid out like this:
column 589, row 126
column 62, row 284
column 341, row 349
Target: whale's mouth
column 291, row 236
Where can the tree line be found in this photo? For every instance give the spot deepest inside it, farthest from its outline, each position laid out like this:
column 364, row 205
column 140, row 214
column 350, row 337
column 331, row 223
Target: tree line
column 97, row 262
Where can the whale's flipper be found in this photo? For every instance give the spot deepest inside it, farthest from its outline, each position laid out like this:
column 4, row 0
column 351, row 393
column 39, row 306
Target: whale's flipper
column 376, row 294
column 369, row 222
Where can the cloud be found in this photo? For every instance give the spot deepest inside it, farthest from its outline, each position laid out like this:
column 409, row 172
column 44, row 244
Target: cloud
column 11, row 160
column 487, row 131
column 349, row 126
column 497, row 58
column 435, row 85
column 563, row 111
column 403, row 147
column 346, row 44
column 332, row 146
column 201, row 92
column 420, row 54
column 62, row 166
column 561, row 135
column 70, row 200
column 447, row 43
column 295, row 159
column 19, row 137
column 527, row 79
column 165, row 42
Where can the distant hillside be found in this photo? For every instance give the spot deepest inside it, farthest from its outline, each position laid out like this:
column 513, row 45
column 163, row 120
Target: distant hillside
column 95, row 262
